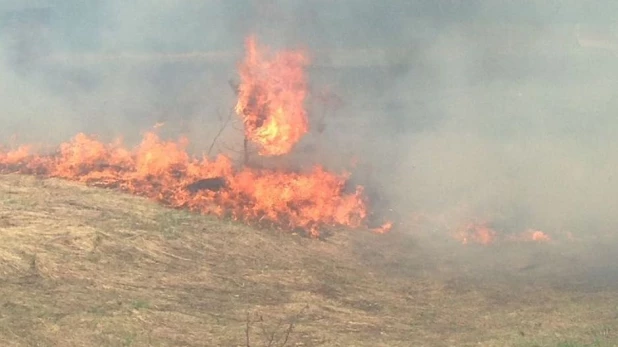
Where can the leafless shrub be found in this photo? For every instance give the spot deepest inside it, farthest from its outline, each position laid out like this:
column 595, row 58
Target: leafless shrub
column 277, row 336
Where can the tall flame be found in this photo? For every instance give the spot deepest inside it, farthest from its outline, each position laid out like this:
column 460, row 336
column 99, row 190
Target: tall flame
column 271, row 98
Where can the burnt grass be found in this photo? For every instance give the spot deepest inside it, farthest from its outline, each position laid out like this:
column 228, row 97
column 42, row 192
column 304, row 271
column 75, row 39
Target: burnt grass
column 84, row 266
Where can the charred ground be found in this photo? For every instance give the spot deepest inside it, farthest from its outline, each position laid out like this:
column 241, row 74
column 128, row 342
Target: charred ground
column 85, row 266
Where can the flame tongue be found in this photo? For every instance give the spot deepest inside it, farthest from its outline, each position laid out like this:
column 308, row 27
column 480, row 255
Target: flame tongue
column 271, row 98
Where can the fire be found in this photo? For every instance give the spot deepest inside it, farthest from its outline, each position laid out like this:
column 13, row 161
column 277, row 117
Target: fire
column 532, row 235
column 162, row 170
column 271, row 98
column 479, row 233
column 384, row 228
column 482, row 233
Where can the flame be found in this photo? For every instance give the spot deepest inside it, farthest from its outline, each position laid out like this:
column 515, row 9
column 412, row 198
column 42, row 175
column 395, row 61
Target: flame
column 271, row 98
column 479, row 233
column 532, row 235
column 384, row 228
column 482, row 233
column 162, row 170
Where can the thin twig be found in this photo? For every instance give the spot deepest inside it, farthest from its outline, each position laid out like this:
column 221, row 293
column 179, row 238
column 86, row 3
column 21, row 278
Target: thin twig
column 227, row 121
column 230, row 149
column 245, row 151
column 288, row 331
column 273, row 333
column 247, row 330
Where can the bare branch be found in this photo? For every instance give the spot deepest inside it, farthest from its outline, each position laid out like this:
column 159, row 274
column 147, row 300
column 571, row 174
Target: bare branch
column 246, row 151
column 273, row 333
column 225, row 123
column 290, row 328
column 248, row 329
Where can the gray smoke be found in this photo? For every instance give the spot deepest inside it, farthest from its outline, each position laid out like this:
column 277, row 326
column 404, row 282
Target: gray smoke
column 464, row 108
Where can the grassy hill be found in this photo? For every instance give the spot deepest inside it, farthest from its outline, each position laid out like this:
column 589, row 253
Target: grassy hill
column 83, row 266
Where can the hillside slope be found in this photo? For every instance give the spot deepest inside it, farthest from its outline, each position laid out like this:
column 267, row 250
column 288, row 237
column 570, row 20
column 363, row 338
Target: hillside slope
column 83, row 266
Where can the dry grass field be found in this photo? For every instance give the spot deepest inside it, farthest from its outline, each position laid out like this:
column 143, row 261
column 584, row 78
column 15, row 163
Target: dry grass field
column 83, row 266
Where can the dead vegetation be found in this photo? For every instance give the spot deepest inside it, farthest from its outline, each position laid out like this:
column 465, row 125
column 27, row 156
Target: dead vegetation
column 91, row 267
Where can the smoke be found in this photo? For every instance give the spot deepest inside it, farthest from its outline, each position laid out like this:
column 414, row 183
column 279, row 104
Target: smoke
column 484, row 111
column 114, row 69
column 465, row 108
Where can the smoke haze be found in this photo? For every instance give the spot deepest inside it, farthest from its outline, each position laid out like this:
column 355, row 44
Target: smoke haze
column 468, row 109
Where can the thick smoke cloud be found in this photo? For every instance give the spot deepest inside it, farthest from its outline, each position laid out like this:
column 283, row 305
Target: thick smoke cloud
column 465, row 108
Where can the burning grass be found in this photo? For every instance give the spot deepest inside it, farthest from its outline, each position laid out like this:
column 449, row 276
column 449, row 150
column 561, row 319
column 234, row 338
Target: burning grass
column 163, row 171
column 84, row 266
column 271, row 97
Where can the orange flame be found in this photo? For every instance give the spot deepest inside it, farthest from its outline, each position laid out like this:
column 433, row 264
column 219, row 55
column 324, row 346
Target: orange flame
column 163, row 171
column 532, row 235
column 479, row 233
column 384, row 228
column 271, row 98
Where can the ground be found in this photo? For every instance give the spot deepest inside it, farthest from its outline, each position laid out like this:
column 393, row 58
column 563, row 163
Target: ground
column 84, row 266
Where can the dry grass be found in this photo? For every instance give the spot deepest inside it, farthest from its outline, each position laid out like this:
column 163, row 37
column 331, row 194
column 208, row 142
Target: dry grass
column 91, row 267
